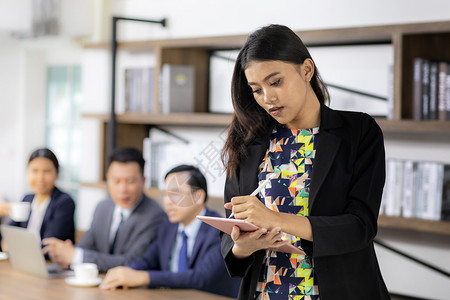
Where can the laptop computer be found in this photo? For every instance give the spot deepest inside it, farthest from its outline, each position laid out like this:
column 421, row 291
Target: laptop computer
column 25, row 253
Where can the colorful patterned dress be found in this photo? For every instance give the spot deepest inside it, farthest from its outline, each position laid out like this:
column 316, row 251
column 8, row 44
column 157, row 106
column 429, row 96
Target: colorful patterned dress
column 291, row 154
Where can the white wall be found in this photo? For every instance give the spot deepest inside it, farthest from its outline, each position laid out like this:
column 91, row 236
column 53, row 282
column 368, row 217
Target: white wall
column 23, row 99
column 9, row 127
column 21, row 102
column 203, row 17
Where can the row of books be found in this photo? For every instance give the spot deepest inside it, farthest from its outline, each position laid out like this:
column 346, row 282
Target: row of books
column 431, row 89
column 417, row 189
column 139, row 90
column 177, row 86
column 165, row 149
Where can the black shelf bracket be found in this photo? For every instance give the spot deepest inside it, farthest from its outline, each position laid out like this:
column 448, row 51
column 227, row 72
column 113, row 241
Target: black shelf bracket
column 112, row 118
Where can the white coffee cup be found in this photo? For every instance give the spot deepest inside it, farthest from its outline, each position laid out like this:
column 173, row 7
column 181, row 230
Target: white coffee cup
column 85, row 272
column 20, row 211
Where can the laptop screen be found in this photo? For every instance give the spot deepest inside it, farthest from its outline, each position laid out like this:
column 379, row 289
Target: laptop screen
column 25, row 253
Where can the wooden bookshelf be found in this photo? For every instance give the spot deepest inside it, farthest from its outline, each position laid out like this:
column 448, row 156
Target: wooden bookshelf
column 430, row 40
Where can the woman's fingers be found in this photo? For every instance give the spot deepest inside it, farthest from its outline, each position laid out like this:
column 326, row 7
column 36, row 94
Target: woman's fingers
column 235, row 233
column 242, row 206
column 277, row 238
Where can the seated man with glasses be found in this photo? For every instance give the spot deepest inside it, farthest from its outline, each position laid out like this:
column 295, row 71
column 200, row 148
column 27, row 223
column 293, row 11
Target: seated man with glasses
column 186, row 253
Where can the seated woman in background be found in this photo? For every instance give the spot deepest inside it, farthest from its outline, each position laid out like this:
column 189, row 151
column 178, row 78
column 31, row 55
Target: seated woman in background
column 52, row 210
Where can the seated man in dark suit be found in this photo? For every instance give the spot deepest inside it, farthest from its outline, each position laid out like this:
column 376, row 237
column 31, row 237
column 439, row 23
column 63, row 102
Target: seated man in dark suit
column 186, row 253
column 123, row 225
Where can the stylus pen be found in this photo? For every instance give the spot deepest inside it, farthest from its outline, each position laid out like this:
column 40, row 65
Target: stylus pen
column 259, row 188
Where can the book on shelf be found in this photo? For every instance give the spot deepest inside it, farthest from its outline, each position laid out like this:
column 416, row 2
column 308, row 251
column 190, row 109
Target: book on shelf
column 442, row 85
column 417, row 89
column 439, row 191
column 425, row 89
column 417, row 189
column 447, row 93
column 431, row 91
column 177, row 89
column 445, row 213
column 392, row 188
column 139, row 90
column 431, row 183
column 409, row 182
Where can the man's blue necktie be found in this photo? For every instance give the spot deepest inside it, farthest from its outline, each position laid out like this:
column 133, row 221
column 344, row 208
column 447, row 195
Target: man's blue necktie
column 113, row 244
column 182, row 259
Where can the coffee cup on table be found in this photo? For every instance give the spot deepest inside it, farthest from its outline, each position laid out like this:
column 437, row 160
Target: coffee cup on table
column 20, row 211
column 85, row 272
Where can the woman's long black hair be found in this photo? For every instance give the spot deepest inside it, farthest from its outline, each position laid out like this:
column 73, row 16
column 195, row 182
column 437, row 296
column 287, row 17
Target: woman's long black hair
column 272, row 42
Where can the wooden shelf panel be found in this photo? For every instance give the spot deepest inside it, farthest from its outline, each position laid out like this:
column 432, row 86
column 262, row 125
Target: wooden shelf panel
column 411, row 127
column 419, row 225
column 190, row 119
column 194, row 119
column 218, row 42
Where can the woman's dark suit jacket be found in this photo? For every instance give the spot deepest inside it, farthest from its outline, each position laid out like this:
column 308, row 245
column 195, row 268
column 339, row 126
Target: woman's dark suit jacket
column 345, row 194
column 58, row 219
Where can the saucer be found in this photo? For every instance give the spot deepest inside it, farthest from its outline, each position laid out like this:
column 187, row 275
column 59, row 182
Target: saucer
column 81, row 282
column 3, row 255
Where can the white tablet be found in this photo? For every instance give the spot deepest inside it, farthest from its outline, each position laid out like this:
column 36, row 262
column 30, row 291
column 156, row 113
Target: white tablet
column 226, row 225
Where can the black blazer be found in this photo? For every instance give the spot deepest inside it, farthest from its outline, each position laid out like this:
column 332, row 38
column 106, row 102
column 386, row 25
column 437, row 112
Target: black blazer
column 345, row 194
column 58, row 219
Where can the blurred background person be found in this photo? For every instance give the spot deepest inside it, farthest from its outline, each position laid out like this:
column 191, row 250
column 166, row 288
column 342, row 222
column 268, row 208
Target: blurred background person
column 52, row 210
column 123, row 225
column 186, row 253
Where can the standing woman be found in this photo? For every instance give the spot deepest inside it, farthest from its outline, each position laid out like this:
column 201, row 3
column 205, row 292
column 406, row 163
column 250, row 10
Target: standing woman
column 330, row 172
column 52, row 210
